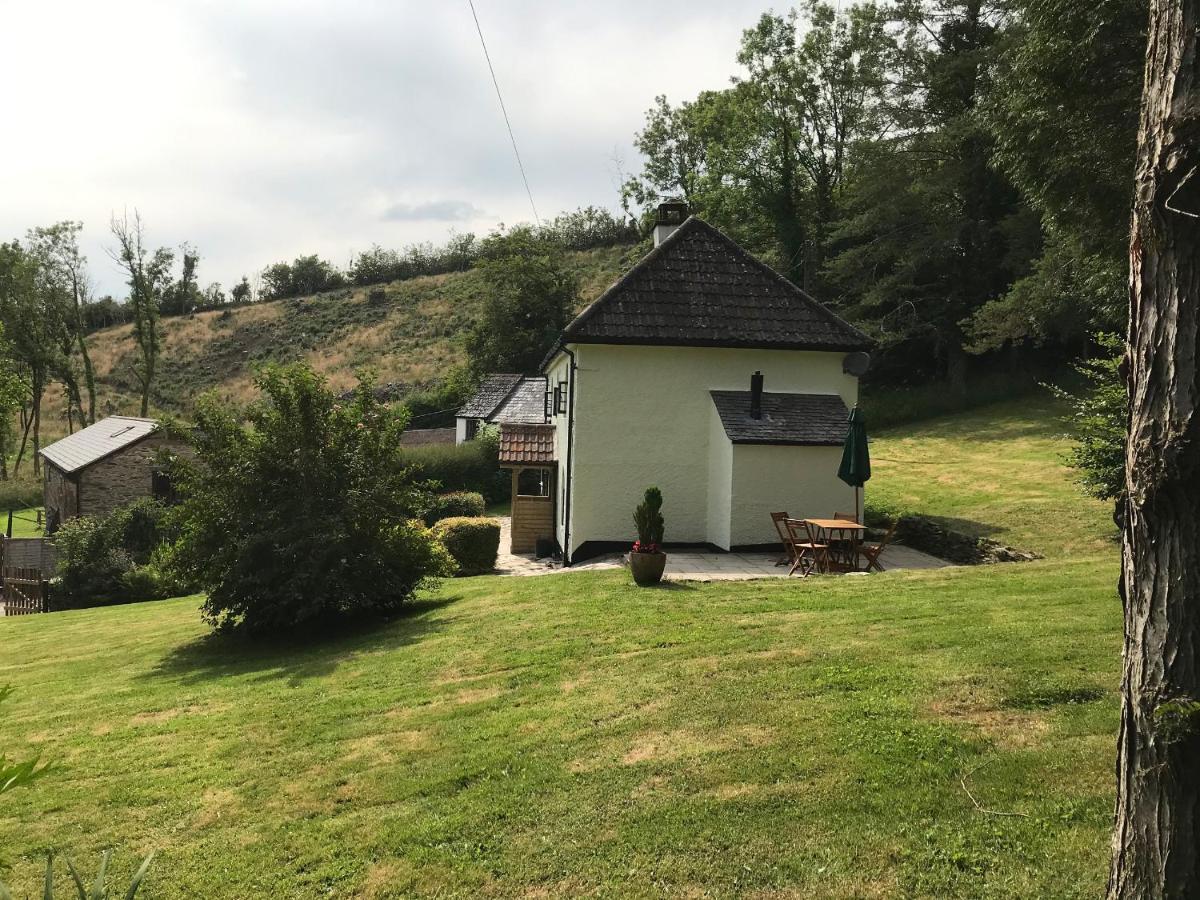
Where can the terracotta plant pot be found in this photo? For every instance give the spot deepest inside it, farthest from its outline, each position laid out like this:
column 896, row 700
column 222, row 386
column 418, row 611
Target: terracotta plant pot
column 647, row 568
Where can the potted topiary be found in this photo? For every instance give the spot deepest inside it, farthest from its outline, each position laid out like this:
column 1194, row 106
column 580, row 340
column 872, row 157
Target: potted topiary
column 646, row 560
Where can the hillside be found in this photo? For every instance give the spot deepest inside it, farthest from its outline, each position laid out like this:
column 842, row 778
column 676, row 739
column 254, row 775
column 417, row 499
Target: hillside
column 571, row 735
column 411, row 336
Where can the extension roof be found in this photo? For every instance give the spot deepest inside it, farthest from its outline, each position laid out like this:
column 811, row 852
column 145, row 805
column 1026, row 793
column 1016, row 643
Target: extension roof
column 801, row 419
column 94, row 443
column 526, row 444
column 700, row 289
column 491, row 393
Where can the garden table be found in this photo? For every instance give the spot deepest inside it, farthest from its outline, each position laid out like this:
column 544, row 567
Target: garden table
column 843, row 537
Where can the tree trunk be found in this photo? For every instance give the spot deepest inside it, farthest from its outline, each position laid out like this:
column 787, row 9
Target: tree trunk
column 956, row 367
column 1155, row 853
column 38, row 390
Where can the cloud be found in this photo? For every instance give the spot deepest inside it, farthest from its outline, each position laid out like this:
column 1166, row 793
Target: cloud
column 259, row 130
column 433, row 211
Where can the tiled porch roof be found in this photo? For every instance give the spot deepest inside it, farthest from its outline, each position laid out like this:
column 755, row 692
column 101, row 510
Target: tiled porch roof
column 526, row 444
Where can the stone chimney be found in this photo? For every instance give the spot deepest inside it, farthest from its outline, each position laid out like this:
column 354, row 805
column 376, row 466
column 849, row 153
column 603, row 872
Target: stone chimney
column 756, row 391
column 671, row 214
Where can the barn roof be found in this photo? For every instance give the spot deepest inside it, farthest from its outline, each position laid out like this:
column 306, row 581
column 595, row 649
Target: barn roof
column 803, row 419
column 94, row 443
column 699, row 288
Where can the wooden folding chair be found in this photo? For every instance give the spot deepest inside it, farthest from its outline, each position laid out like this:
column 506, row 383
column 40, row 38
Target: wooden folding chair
column 811, row 555
column 871, row 552
column 779, row 518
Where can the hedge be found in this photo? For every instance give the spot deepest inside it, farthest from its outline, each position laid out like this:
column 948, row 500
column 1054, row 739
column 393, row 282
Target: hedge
column 473, row 542
column 455, row 504
column 460, row 467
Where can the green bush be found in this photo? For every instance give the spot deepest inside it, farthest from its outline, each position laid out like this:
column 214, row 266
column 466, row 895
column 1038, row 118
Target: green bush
column 456, row 503
column 472, row 466
column 300, row 511
column 473, row 542
column 91, row 564
column 101, row 561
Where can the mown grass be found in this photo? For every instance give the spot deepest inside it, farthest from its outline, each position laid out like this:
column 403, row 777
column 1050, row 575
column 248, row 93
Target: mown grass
column 573, row 735
column 997, row 472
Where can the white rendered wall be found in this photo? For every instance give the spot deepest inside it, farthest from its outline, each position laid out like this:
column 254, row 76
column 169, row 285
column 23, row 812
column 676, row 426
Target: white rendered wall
column 460, row 430
column 801, row 481
column 559, row 371
column 643, row 416
column 720, row 481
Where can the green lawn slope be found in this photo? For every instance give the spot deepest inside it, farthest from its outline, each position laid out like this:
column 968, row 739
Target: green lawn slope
column 932, row 734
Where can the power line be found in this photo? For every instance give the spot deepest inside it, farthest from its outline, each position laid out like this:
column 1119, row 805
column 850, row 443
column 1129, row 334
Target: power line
column 500, row 97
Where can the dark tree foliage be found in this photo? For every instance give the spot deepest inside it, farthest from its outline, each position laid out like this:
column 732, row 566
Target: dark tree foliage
column 530, row 296
column 302, row 512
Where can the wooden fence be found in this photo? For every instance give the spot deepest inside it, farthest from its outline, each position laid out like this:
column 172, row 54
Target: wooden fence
column 24, row 591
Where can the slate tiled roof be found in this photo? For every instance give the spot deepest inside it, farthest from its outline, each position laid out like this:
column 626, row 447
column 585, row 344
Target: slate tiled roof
column 491, row 393
column 812, row 419
column 526, row 404
column 699, row 288
column 526, row 444
column 94, row 443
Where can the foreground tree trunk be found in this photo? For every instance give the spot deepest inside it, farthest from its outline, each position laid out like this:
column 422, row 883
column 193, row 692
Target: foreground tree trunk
column 1155, row 852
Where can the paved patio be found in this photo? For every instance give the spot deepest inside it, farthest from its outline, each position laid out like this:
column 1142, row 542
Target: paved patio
column 697, row 565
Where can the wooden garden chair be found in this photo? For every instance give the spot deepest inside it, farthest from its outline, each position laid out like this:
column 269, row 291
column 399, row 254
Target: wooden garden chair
column 872, row 552
column 811, row 554
column 780, row 519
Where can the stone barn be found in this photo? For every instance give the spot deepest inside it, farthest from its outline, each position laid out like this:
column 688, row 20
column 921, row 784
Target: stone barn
column 104, row 466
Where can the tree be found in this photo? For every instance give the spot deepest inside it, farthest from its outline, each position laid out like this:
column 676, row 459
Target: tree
column 183, row 295
column 302, row 513
column 530, row 295
column 57, row 248
column 1157, row 837
column 148, row 278
column 932, row 233
column 241, row 293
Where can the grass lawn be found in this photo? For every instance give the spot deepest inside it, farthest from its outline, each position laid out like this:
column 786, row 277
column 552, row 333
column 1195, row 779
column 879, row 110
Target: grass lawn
column 574, row 735
column 25, row 522
column 997, row 472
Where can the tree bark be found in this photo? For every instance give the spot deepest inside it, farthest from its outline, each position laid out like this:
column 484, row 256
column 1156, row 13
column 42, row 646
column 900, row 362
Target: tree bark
column 1155, row 853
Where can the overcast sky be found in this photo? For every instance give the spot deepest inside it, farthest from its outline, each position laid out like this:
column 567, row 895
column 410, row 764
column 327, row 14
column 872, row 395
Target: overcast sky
column 262, row 129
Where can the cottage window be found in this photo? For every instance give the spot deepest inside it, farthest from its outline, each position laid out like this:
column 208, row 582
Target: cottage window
column 533, row 483
column 472, row 429
column 560, row 398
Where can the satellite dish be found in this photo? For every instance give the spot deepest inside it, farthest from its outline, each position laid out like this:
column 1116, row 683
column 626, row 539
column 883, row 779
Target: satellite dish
column 856, row 364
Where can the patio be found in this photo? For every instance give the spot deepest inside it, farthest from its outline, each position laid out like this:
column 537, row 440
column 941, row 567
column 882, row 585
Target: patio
column 696, row 565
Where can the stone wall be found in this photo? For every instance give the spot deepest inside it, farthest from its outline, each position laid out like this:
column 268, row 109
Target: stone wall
column 58, row 496
column 123, row 477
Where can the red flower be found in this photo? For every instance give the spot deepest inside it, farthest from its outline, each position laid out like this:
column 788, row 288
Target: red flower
column 639, row 547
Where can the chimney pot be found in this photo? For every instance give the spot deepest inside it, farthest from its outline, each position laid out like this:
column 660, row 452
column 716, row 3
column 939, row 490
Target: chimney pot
column 670, row 215
column 756, row 392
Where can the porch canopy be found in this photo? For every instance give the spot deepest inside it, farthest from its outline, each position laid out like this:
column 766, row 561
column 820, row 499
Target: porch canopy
column 528, row 450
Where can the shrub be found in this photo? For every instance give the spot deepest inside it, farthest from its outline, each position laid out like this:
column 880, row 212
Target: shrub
column 473, row 542
column 1099, row 418
column 456, row 503
column 649, row 520
column 91, row 564
column 301, row 512
column 100, row 560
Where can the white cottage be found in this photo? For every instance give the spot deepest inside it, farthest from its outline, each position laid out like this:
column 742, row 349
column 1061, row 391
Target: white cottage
column 701, row 371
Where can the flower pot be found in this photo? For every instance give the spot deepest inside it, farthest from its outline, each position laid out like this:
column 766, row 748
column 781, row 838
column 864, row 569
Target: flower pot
column 647, row 568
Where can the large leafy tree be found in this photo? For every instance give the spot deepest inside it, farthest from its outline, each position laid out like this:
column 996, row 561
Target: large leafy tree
column 531, row 294
column 149, row 278
column 301, row 511
column 64, row 271
column 933, row 232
